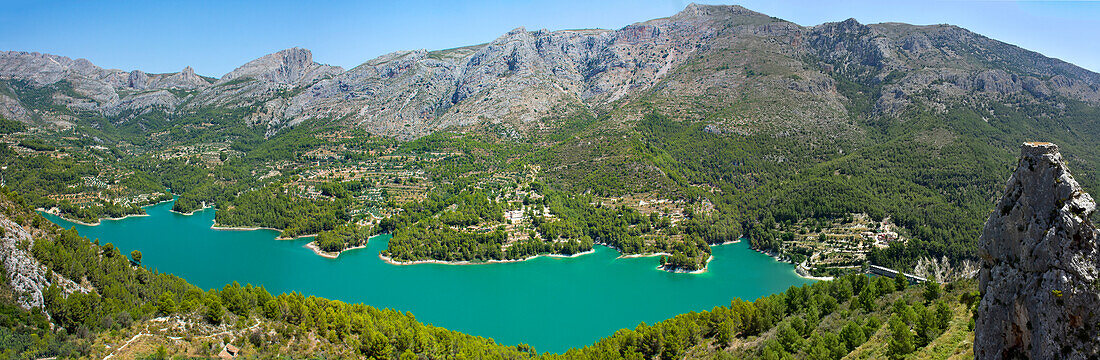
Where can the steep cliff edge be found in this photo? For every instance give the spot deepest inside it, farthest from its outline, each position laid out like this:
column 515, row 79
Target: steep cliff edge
column 1039, row 279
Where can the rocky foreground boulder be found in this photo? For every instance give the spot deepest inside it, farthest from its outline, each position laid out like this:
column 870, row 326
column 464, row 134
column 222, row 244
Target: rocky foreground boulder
column 1039, row 275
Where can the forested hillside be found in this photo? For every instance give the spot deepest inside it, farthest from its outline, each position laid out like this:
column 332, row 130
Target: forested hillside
column 852, row 317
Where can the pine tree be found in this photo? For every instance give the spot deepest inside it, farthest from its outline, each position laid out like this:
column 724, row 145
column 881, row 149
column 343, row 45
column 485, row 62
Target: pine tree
column 901, row 339
column 900, row 282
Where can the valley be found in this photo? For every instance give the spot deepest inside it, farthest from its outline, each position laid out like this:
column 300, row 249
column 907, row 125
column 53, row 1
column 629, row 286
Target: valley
column 503, row 301
column 712, row 184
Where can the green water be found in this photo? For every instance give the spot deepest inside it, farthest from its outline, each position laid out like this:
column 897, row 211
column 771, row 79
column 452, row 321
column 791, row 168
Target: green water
column 551, row 303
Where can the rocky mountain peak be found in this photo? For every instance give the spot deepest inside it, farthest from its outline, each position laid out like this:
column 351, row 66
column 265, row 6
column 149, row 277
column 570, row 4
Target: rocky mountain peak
column 851, row 26
column 698, row 10
column 286, row 67
column 516, row 31
column 37, row 67
column 185, row 79
column 1039, row 279
column 138, row 79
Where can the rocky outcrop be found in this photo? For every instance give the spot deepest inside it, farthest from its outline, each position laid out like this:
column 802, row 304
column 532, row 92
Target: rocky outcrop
column 185, row 79
column 523, row 76
column 25, row 274
column 84, row 87
column 28, row 277
column 138, row 80
column 44, row 69
column 287, row 67
column 265, row 82
column 1039, row 276
column 10, row 108
column 943, row 64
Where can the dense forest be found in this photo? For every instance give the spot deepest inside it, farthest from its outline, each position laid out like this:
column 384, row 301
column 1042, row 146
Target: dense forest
column 932, row 173
column 342, row 237
column 877, row 317
column 562, row 224
column 272, row 207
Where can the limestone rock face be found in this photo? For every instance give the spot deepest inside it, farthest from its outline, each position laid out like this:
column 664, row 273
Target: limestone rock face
column 260, row 81
column 683, row 64
column 522, row 76
column 1039, row 277
column 185, row 79
column 27, row 276
column 108, row 92
column 290, row 66
column 138, row 80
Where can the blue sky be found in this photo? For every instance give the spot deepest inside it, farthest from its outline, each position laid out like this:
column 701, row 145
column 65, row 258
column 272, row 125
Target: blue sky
column 216, row 36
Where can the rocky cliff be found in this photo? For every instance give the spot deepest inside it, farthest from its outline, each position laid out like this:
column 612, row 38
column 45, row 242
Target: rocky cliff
column 698, row 61
column 1039, row 279
column 81, row 86
column 24, row 275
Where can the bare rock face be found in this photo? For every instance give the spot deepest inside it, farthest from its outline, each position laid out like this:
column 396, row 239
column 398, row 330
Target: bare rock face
column 27, row 276
column 108, row 92
column 684, row 64
column 259, row 81
column 289, row 67
column 185, row 79
column 1039, row 278
column 522, row 76
column 138, row 80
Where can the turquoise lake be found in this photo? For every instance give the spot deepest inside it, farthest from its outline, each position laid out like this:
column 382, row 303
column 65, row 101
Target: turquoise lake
column 550, row 303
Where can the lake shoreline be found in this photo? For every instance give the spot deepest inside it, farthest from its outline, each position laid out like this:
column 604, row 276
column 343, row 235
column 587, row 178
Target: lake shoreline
column 215, row 225
column 57, row 212
column 327, row 254
column 188, row 247
column 682, row 271
column 804, row 272
column 254, row 228
column 192, row 212
column 676, row 271
column 631, row 256
column 391, row 261
column 799, row 270
column 98, row 221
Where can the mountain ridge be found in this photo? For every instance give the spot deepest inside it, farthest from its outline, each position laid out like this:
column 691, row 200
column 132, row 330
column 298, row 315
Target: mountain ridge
column 525, row 76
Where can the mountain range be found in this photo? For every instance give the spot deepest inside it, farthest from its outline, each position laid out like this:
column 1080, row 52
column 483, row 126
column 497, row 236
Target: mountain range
column 690, row 65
